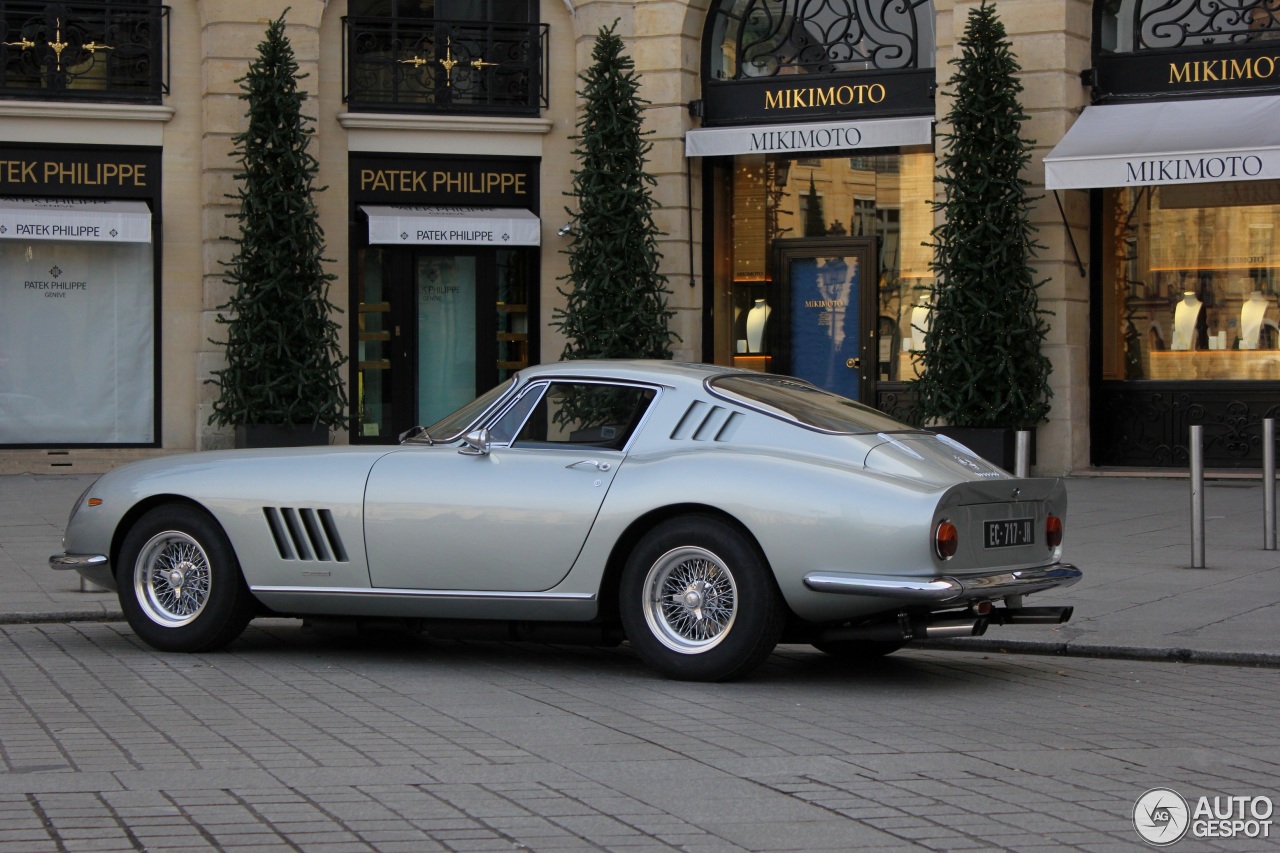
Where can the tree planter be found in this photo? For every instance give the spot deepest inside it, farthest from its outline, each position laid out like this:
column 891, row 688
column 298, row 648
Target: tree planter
column 281, row 435
column 997, row 445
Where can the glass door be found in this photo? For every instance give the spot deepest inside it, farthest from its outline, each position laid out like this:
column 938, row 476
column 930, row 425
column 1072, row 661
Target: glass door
column 435, row 328
column 827, row 289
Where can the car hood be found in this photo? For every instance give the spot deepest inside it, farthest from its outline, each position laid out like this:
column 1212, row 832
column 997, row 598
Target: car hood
column 929, row 458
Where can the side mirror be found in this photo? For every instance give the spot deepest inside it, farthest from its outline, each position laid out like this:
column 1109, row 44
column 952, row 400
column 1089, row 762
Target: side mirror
column 475, row 443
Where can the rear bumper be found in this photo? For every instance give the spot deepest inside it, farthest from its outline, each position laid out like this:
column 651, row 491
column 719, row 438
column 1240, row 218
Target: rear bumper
column 945, row 589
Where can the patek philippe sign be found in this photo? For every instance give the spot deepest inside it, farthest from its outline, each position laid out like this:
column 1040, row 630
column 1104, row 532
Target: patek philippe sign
column 823, row 136
column 75, row 219
column 398, row 179
column 79, row 172
column 436, row 225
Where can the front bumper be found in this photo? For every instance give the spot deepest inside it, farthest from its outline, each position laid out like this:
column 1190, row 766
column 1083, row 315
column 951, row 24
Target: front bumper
column 77, row 561
column 945, row 589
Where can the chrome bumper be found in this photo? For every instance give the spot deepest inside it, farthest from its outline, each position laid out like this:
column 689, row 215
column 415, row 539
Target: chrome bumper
column 945, row 590
column 77, row 561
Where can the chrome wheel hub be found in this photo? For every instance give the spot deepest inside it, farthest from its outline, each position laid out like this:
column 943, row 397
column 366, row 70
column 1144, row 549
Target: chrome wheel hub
column 171, row 579
column 690, row 600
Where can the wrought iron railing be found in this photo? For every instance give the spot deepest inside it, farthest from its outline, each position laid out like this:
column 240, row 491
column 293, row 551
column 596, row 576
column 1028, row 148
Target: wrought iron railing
column 765, row 38
column 111, row 50
column 1140, row 25
column 416, row 65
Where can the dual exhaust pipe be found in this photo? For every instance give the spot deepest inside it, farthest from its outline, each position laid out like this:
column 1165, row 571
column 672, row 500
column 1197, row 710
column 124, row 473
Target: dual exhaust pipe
column 947, row 625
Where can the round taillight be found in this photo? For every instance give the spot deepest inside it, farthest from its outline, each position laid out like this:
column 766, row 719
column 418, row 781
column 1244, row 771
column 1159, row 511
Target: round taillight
column 946, row 540
column 1053, row 531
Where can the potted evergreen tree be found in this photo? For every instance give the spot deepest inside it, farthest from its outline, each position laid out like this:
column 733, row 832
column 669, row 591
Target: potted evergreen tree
column 616, row 304
column 983, row 374
column 282, row 384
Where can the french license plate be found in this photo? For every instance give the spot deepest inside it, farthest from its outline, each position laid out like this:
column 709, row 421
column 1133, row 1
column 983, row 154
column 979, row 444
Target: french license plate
column 1007, row 533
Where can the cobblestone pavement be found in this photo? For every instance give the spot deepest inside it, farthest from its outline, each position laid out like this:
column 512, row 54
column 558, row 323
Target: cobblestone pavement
column 292, row 740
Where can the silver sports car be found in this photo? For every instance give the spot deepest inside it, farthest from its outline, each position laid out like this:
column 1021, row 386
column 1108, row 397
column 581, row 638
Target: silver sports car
column 703, row 514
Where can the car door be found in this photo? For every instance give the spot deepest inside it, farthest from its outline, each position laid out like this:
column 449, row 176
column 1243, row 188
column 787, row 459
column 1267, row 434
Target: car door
column 514, row 518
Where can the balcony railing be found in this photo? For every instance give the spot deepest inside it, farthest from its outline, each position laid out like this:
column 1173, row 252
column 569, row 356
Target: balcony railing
column 117, row 50
column 437, row 66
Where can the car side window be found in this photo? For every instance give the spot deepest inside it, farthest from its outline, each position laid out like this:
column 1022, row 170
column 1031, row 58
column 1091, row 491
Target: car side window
column 586, row 414
column 504, row 428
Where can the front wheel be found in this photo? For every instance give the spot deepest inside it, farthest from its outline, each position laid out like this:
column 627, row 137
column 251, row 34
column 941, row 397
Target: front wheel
column 179, row 582
column 698, row 601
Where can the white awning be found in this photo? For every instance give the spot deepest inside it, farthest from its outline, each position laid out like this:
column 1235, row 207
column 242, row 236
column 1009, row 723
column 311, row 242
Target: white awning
column 818, row 136
column 1168, row 142
column 452, row 226
column 75, row 219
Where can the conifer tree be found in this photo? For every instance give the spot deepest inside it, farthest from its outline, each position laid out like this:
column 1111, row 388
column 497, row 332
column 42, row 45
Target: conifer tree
column 982, row 360
column 617, row 298
column 283, row 355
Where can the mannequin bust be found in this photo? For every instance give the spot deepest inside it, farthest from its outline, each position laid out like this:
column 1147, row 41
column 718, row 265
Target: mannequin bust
column 756, row 318
column 1185, row 316
column 1251, row 316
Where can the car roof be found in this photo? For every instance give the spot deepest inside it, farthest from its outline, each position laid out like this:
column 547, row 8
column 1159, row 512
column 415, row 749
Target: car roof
column 634, row 370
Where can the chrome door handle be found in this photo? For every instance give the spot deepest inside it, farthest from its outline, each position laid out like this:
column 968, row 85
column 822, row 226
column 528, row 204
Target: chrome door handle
column 599, row 466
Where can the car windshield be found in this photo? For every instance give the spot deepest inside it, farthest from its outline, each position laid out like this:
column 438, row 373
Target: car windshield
column 802, row 403
column 452, row 426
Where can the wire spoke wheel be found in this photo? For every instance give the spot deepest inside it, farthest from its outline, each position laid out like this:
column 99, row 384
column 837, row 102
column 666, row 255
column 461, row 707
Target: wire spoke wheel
column 172, row 578
column 690, row 599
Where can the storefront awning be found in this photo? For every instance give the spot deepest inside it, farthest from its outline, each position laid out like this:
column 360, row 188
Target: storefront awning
column 818, row 136
column 452, row 226
column 1168, row 142
column 75, row 219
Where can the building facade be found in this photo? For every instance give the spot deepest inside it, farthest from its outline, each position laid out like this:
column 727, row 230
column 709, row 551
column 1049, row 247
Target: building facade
column 794, row 149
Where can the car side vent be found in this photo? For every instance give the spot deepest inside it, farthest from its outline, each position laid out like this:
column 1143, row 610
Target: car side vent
column 704, row 422
column 305, row 534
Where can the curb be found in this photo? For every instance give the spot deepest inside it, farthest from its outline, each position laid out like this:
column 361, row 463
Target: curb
column 1015, row 647
column 1085, row 650
column 53, row 617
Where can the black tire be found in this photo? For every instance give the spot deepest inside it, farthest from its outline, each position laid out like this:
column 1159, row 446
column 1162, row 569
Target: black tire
column 859, row 651
column 733, row 615
column 179, row 582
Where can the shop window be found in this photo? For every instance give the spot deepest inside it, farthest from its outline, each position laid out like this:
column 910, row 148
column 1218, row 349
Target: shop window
column 777, row 198
column 77, row 346
column 115, row 50
column 764, row 38
column 1190, row 282
column 451, row 56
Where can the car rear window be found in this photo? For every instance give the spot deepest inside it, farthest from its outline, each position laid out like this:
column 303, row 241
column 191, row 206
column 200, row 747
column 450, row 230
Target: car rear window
column 802, row 403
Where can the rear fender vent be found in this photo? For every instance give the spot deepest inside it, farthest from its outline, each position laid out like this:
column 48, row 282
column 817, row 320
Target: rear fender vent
column 704, row 422
column 305, row 534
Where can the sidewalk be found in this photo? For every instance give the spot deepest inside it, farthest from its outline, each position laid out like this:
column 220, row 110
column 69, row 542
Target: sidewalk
column 1131, row 537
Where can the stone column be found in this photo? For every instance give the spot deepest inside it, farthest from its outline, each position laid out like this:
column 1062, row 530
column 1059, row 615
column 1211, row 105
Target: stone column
column 230, row 32
column 1051, row 39
column 663, row 37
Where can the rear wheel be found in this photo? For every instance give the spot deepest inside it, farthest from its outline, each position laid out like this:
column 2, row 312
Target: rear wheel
column 179, row 582
column 698, row 601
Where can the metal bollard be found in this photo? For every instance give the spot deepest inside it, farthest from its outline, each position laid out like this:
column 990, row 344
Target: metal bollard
column 1022, row 454
column 1269, row 484
column 1197, row 496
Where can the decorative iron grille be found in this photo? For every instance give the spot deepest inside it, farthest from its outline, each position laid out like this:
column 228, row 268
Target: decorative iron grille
column 1130, row 26
column 408, row 65
column 115, row 50
column 764, row 38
